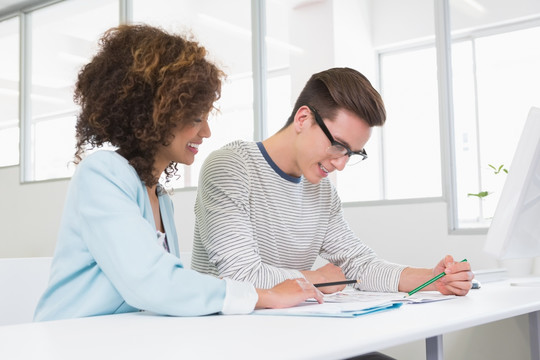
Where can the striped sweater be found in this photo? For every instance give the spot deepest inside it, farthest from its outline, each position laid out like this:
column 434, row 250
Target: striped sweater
column 255, row 223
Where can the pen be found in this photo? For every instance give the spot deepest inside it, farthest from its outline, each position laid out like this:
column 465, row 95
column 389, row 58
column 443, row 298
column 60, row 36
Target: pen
column 428, row 282
column 344, row 282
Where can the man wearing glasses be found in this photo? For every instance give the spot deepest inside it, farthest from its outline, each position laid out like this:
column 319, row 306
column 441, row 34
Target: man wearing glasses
column 266, row 210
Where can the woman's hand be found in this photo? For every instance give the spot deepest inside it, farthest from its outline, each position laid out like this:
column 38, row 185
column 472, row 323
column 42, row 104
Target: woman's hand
column 286, row 294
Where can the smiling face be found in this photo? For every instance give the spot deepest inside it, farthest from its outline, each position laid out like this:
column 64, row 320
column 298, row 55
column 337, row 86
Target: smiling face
column 312, row 159
column 184, row 144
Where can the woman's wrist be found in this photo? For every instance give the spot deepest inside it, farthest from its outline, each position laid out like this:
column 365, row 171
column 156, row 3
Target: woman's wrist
column 240, row 297
column 264, row 300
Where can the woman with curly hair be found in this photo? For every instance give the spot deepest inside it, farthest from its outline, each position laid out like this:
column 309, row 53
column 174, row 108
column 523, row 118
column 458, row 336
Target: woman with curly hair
column 148, row 94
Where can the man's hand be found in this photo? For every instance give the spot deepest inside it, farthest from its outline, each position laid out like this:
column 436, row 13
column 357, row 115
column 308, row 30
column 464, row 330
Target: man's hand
column 326, row 273
column 458, row 278
column 457, row 281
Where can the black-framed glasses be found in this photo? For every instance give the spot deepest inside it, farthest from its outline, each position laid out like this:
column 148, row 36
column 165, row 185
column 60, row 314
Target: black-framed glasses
column 337, row 149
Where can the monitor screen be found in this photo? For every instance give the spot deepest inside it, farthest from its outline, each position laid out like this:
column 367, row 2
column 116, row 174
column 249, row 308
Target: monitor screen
column 515, row 227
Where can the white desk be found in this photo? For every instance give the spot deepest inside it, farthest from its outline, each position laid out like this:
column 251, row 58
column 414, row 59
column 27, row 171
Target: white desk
column 145, row 336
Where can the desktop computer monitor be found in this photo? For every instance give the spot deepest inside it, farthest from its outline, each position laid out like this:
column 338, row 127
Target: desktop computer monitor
column 515, row 227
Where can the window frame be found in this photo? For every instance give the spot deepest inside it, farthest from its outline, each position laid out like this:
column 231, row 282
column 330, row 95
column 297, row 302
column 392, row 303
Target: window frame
column 443, row 40
column 17, row 18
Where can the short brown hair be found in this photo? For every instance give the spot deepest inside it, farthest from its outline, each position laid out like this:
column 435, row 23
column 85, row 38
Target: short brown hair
column 341, row 88
column 142, row 83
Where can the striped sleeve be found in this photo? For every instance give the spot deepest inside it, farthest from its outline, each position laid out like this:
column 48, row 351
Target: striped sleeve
column 343, row 248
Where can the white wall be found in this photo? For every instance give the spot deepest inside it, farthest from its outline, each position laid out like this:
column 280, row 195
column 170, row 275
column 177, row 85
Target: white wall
column 414, row 234
column 29, row 215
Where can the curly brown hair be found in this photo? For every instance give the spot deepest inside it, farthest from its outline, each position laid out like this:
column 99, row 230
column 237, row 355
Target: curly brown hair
column 142, row 83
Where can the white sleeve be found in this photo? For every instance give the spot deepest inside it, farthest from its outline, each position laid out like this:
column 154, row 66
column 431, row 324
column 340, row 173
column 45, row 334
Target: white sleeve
column 240, row 297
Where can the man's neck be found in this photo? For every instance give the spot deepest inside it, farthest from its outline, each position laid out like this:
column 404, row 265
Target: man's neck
column 280, row 147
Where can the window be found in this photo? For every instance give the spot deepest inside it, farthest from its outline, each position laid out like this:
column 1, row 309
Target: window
column 493, row 91
column 305, row 38
column 224, row 29
column 495, row 77
column 61, row 38
column 404, row 155
column 392, row 42
column 9, row 92
column 411, row 136
column 280, row 51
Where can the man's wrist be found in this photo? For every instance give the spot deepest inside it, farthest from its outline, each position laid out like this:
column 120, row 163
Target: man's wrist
column 309, row 275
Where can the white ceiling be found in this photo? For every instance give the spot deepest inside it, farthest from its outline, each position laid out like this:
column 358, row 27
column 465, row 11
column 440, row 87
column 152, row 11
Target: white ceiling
column 8, row 3
column 9, row 6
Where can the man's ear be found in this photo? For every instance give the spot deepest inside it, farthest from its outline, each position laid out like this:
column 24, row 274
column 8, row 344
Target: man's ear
column 302, row 118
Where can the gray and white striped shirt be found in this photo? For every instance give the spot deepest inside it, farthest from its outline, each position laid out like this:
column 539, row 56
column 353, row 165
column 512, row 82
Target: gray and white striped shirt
column 255, row 223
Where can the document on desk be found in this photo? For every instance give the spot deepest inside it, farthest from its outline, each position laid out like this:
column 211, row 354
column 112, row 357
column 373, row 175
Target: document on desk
column 352, row 303
column 333, row 309
column 352, row 295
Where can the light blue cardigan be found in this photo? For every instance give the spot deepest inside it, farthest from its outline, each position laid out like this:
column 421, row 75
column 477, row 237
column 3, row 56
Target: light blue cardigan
column 107, row 258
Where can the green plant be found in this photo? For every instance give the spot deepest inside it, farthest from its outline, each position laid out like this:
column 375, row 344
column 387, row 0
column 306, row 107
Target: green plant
column 481, row 194
column 496, row 170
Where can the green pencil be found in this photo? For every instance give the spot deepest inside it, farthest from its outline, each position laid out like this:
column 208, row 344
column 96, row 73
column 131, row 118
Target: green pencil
column 428, row 282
